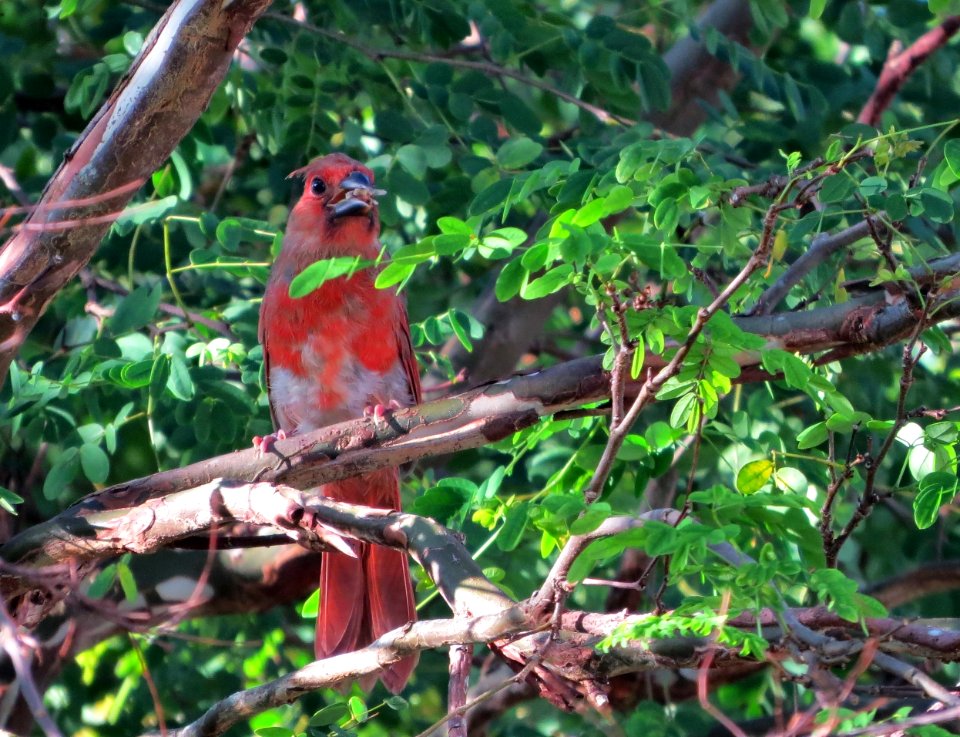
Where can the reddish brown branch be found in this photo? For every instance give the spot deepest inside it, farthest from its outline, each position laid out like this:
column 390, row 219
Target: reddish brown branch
column 901, row 64
column 460, row 658
column 156, row 103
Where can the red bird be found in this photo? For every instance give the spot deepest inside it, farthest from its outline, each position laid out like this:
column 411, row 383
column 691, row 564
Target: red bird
column 332, row 356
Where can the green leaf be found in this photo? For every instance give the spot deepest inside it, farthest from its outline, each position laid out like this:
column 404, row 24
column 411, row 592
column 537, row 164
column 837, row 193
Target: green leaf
column 682, row 410
column 358, row 710
column 576, row 246
column 951, row 154
column 674, row 387
column 518, row 152
column 941, row 432
column 417, row 253
column 450, row 244
column 501, row 242
column 667, row 214
column 937, row 205
column 320, row 272
column 413, row 159
column 460, row 330
column 127, row 582
column 392, row 274
column 550, row 282
column 590, row 213
column 449, row 224
column 795, row 371
column 816, row 8
column 518, row 114
column 147, row 211
column 103, row 581
column 934, row 490
column 311, row 607
column 133, row 375
column 636, row 361
column 229, row 233
column 135, row 310
column 836, row 188
column 9, row 500
column 62, row 473
column 274, row 732
column 812, row 436
column 402, row 184
column 393, row 125
column 159, row 373
column 594, row 516
column 491, row 197
column 273, row 55
column 179, row 383
column 510, row 280
column 397, row 703
column 461, row 106
column 896, row 206
column 442, row 502
column 841, row 594
column 329, row 715
column 754, row 475
column 95, row 463
column 872, row 186
column 162, row 181
column 513, row 526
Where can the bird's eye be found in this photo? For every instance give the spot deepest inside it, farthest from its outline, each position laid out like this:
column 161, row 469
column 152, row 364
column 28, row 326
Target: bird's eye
column 317, row 186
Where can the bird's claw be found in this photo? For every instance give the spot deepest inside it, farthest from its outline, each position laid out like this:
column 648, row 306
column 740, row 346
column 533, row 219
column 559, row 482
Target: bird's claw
column 264, row 444
column 379, row 411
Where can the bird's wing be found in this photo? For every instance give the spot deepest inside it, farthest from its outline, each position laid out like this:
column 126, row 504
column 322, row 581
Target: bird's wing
column 263, row 336
column 405, row 347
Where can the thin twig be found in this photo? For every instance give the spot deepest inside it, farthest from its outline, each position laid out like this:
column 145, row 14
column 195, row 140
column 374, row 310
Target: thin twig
column 151, row 685
column 869, row 497
column 89, row 278
column 619, row 432
column 485, row 67
column 460, row 659
column 13, row 643
column 519, row 677
column 703, row 673
column 821, row 248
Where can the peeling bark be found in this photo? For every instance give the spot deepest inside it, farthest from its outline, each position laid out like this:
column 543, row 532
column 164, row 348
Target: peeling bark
column 153, row 107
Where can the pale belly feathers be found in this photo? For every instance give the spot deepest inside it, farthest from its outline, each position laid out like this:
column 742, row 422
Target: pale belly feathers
column 295, row 398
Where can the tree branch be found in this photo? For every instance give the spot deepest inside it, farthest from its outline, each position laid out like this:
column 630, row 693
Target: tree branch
column 156, row 103
column 901, row 64
column 821, row 248
column 485, row 67
column 388, row 649
column 90, row 528
column 696, row 75
column 512, row 327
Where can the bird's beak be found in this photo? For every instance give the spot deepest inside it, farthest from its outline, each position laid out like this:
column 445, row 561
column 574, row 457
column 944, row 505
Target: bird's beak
column 359, row 195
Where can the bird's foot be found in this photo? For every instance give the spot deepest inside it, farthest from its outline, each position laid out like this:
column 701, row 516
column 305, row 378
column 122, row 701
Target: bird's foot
column 379, row 411
column 264, row 444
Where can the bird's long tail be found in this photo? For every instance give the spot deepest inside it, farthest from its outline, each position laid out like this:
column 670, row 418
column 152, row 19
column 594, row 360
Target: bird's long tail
column 362, row 598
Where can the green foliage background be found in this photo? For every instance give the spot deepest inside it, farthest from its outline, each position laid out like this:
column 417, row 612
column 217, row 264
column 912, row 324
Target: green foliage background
column 495, row 182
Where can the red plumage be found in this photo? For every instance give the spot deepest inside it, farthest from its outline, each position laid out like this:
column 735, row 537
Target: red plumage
column 329, row 356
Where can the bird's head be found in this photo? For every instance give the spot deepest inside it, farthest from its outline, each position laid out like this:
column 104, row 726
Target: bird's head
column 338, row 208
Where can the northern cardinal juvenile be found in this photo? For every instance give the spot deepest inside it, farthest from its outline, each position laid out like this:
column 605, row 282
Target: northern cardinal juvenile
column 332, row 356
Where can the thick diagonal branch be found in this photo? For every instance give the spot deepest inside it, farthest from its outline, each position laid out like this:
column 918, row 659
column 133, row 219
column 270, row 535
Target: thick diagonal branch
column 478, row 417
column 155, row 105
